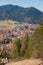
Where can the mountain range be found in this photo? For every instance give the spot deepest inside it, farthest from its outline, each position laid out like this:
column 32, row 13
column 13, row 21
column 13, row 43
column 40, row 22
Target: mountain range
column 20, row 14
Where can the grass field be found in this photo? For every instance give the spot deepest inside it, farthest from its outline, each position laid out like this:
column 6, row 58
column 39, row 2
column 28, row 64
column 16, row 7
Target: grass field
column 9, row 24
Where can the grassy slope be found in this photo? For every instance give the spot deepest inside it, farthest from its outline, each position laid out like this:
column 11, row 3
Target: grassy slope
column 9, row 24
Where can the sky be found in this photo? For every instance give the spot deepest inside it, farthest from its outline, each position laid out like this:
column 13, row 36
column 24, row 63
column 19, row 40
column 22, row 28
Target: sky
column 24, row 3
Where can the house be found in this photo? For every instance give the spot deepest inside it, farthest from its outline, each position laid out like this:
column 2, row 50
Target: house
column 1, row 36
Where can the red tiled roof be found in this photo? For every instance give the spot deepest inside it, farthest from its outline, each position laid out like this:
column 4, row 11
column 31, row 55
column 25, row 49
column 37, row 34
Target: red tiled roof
column 1, row 36
column 15, row 33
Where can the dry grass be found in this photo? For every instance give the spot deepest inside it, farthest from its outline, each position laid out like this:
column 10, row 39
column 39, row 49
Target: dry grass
column 26, row 62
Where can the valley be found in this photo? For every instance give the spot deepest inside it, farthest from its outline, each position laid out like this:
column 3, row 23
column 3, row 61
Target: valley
column 21, row 35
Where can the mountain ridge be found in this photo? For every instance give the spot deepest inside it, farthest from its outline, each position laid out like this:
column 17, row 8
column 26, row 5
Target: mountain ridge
column 21, row 14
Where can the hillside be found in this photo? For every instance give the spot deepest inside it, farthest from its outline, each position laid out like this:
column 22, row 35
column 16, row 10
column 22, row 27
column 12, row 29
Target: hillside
column 9, row 24
column 17, row 13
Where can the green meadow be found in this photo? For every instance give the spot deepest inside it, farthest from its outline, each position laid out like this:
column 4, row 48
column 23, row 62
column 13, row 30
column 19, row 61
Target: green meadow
column 9, row 24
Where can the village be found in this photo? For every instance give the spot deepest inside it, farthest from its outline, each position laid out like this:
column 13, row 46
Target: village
column 7, row 36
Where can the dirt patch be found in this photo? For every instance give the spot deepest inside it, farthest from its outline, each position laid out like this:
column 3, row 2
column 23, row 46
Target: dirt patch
column 26, row 62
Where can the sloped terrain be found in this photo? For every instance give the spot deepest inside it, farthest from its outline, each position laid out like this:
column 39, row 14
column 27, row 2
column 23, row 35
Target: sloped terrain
column 17, row 13
column 26, row 62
